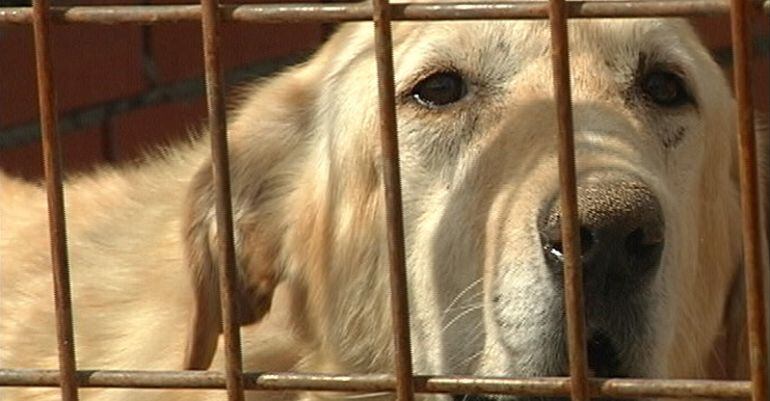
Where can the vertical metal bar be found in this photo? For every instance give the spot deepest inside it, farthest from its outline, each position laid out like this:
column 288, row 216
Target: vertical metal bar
column 750, row 204
column 55, row 193
column 573, row 272
column 392, row 179
column 228, row 274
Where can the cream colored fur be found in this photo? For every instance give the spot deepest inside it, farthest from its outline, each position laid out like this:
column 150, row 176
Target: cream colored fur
column 308, row 211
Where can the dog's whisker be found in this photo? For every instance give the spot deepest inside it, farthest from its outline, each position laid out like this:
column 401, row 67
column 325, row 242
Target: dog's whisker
column 465, row 305
column 364, row 395
column 458, row 365
column 461, row 315
column 462, row 293
column 463, row 308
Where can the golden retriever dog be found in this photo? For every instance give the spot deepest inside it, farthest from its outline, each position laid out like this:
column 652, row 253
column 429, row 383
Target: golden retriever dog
column 657, row 189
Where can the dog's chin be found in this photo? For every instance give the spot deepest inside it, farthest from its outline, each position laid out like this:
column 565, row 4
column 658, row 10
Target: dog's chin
column 604, row 361
column 613, row 351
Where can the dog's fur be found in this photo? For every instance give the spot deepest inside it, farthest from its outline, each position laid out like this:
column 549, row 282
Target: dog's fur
column 310, row 224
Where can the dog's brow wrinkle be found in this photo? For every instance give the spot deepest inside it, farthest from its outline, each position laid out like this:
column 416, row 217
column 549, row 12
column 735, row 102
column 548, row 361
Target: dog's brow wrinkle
column 673, row 140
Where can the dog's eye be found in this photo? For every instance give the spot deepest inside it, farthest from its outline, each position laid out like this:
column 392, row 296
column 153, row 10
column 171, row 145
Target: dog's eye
column 665, row 89
column 440, row 89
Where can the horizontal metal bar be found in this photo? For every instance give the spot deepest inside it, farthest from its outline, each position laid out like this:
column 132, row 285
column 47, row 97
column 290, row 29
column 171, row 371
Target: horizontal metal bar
column 554, row 386
column 338, row 12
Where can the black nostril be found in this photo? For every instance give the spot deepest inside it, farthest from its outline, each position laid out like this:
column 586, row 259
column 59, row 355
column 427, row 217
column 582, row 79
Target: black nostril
column 554, row 246
column 640, row 242
column 635, row 243
column 586, row 240
column 644, row 246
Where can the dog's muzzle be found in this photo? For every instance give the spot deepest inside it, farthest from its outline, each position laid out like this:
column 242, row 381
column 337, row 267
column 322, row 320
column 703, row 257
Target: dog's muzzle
column 621, row 241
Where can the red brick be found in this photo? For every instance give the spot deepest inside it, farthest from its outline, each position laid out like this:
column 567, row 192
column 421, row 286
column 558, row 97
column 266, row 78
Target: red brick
column 91, row 63
column 96, row 63
column 18, row 98
column 714, row 31
column 178, row 49
column 81, row 151
column 242, row 43
column 141, row 130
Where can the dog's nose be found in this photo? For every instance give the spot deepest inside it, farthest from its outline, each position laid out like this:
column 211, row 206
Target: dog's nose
column 621, row 235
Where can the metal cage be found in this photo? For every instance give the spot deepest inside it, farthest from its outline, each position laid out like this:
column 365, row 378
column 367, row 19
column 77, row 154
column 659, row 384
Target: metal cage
column 404, row 383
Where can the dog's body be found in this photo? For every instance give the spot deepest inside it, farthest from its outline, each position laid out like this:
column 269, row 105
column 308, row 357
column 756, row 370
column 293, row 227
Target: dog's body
column 478, row 131
column 157, row 302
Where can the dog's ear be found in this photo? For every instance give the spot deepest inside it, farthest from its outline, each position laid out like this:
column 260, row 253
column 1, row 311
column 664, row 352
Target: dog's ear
column 267, row 136
column 272, row 133
column 256, row 260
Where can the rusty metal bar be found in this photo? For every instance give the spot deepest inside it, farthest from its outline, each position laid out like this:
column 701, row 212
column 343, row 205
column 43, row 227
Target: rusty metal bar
column 228, row 274
column 52, row 161
column 391, row 177
column 570, row 228
column 534, row 387
column 339, row 12
column 740, row 18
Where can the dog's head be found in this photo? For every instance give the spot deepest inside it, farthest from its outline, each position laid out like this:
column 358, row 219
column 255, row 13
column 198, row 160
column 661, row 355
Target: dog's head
column 657, row 196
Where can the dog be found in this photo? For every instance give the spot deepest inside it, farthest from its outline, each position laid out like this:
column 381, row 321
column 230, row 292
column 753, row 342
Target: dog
column 657, row 193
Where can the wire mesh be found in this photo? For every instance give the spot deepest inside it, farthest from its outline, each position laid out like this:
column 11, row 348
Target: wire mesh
column 403, row 383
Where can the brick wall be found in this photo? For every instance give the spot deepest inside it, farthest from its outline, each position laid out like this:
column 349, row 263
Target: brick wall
column 123, row 88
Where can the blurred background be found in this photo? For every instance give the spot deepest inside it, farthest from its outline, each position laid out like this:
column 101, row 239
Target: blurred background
column 123, row 89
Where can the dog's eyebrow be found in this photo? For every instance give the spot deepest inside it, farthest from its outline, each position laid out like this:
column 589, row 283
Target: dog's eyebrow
column 365, row 50
column 652, row 60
